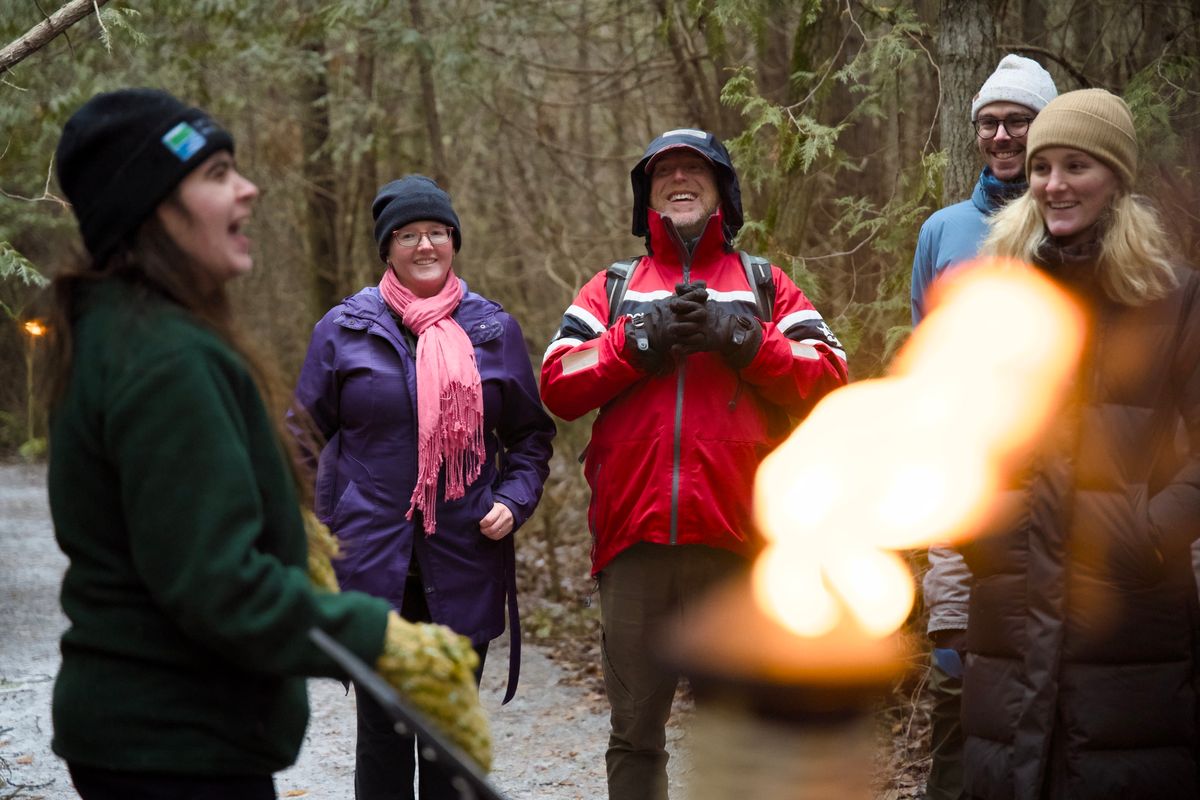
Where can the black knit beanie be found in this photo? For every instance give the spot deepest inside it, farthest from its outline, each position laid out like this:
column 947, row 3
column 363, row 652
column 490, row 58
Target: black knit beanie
column 411, row 198
column 122, row 153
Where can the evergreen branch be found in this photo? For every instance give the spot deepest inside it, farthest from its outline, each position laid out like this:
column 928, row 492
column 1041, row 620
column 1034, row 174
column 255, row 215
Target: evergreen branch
column 15, row 265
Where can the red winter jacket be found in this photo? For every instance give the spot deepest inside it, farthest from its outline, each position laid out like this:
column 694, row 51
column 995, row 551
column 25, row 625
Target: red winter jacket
column 672, row 457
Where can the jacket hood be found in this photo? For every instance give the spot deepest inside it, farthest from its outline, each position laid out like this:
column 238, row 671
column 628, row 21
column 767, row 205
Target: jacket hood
column 707, row 145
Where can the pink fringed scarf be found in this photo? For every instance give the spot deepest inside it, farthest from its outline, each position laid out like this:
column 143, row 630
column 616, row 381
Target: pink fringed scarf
column 449, row 394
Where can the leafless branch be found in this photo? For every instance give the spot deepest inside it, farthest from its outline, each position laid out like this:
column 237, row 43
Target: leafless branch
column 40, row 35
column 1076, row 73
column 46, row 196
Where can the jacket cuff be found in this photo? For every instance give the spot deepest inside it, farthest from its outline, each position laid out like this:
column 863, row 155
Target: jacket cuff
column 517, row 509
column 947, row 617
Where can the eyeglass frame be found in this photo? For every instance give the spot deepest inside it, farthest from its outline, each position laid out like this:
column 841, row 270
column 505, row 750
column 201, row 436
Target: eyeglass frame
column 447, row 229
column 1018, row 118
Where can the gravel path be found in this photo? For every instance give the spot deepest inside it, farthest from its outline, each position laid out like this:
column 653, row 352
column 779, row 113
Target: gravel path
column 549, row 741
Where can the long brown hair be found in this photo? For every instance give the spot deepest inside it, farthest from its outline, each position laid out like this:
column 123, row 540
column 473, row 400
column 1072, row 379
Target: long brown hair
column 154, row 263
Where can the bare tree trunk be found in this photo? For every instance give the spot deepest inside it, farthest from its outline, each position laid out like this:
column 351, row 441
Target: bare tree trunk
column 585, row 137
column 362, row 268
column 1033, row 20
column 966, row 56
column 321, row 195
column 433, row 123
column 793, row 201
column 689, row 92
column 44, row 32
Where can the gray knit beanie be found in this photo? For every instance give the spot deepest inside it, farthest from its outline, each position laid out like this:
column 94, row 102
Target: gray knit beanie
column 1017, row 80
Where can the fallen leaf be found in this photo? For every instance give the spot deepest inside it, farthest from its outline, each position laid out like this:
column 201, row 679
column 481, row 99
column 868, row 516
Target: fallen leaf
column 295, row 793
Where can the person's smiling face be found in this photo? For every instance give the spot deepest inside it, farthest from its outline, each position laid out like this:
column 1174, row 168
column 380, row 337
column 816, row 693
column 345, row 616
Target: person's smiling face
column 1072, row 189
column 1005, row 154
column 422, row 269
column 683, row 188
column 206, row 216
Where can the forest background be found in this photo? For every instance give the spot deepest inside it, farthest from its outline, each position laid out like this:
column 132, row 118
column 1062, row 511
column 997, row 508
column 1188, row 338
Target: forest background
column 848, row 122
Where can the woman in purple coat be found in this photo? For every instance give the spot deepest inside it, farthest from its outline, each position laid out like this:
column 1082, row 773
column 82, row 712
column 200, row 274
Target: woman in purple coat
column 436, row 449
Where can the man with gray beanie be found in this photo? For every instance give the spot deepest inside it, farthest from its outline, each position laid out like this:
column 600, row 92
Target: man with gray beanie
column 1001, row 112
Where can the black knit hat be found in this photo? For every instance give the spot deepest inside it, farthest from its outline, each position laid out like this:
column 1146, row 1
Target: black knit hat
column 122, row 152
column 411, row 198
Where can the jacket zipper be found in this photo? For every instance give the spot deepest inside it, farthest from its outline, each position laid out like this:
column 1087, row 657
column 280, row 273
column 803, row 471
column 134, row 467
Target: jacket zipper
column 677, row 450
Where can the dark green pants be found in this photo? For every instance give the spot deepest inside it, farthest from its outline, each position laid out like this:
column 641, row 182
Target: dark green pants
column 641, row 590
column 946, row 739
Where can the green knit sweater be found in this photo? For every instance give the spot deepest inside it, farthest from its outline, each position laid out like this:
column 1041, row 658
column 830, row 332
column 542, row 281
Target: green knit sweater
column 187, row 590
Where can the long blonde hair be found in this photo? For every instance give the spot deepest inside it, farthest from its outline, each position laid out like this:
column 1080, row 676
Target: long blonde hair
column 1134, row 264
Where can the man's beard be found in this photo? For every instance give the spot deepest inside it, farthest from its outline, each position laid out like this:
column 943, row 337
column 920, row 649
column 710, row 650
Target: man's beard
column 691, row 228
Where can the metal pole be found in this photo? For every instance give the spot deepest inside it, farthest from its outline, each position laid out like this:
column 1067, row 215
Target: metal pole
column 30, row 344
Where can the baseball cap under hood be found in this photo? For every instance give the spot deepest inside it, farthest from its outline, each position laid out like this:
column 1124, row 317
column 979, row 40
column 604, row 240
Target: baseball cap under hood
column 707, row 145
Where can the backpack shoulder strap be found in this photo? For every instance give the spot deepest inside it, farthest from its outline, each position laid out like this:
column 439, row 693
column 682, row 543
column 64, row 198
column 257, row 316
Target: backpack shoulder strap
column 762, row 282
column 616, row 281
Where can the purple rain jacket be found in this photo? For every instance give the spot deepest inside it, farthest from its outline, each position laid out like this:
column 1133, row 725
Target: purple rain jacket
column 358, row 383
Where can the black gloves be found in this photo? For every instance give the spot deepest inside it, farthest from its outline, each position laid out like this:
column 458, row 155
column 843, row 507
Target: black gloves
column 647, row 341
column 689, row 308
column 687, row 323
column 700, row 326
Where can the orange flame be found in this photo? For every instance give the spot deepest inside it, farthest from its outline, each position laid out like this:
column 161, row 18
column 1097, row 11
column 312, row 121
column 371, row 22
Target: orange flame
column 34, row 327
column 916, row 458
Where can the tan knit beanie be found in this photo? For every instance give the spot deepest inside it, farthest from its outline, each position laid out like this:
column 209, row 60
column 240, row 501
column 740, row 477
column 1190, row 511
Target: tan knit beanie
column 1092, row 120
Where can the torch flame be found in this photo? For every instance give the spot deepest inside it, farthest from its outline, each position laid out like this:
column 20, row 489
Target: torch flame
column 916, row 458
column 35, row 327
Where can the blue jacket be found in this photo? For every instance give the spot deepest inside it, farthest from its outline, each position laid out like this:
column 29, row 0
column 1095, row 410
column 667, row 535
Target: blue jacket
column 953, row 234
column 358, row 383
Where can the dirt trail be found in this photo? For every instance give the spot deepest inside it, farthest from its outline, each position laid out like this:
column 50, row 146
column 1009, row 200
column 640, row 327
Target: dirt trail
column 549, row 741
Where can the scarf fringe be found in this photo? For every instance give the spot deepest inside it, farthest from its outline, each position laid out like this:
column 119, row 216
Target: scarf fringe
column 456, row 443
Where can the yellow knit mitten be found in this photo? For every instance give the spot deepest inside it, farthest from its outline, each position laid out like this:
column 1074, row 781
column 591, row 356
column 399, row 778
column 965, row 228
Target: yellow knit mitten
column 322, row 549
column 434, row 668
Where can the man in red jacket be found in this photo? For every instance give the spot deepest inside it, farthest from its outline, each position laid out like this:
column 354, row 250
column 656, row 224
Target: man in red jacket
column 697, row 368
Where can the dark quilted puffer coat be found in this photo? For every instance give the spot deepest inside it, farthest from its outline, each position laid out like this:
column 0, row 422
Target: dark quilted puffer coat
column 1081, row 673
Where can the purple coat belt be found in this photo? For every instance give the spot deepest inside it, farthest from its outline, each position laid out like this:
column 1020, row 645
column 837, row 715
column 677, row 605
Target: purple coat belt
column 358, row 384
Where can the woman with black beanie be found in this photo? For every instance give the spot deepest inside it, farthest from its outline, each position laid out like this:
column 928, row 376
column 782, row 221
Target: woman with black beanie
column 172, row 495
column 438, row 448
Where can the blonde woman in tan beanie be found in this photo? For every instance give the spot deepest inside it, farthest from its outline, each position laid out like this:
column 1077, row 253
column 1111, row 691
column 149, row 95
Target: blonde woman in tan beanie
column 1082, row 627
column 1081, row 160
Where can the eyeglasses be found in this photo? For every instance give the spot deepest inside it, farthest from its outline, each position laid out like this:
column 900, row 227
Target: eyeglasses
column 436, row 237
column 988, row 127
